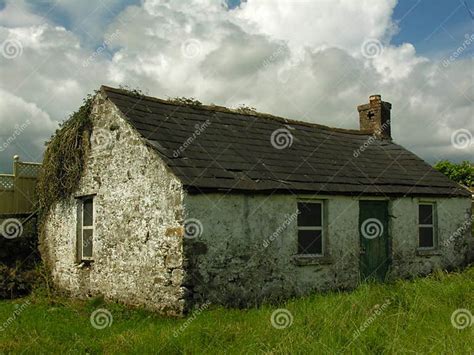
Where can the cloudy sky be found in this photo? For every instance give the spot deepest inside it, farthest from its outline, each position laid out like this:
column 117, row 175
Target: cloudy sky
column 308, row 60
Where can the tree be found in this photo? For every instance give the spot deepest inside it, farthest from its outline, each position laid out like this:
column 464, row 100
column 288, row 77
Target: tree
column 462, row 173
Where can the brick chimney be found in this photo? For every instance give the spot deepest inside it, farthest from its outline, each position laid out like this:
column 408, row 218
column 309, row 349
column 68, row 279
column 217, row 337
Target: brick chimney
column 375, row 117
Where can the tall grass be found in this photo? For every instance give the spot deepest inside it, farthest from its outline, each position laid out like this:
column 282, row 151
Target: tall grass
column 403, row 317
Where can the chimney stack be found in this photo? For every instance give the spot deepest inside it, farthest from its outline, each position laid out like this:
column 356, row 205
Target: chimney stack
column 375, row 117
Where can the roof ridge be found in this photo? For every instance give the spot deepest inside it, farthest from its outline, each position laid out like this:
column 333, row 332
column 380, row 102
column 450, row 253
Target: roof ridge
column 236, row 158
column 217, row 108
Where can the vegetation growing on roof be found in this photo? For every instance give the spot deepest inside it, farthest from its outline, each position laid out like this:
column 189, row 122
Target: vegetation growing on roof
column 133, row 92
column 189, row 101
column 246, row 110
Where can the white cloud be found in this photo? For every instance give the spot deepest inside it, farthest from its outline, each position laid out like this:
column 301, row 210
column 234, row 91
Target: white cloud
column 395, row 63
column 16, row 14
column 24, row 128
column 47, row 72
column 302, row 62
column 324, row 23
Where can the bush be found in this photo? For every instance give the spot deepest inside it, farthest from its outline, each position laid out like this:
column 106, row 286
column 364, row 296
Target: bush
column 17, row 281
column 19, row 260
column 462, row 173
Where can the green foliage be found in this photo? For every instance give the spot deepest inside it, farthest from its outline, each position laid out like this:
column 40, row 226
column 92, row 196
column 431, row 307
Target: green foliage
column 137, row 92
column 18, row 260
column 64, row 159
column 24, row 247
column 66, row 154
column 405, row 317
column 17, row 280
column 63, row 163
column 462, row 173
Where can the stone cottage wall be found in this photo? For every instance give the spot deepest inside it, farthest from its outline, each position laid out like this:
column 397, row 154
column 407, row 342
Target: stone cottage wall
column 138, row 230
column 245, row 252
column 454, row 236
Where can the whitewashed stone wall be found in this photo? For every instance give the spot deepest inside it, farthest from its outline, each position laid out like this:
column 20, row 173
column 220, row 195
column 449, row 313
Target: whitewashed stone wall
column 239, row 261
column 138, row 223
column 454, row 236
column 245, row 254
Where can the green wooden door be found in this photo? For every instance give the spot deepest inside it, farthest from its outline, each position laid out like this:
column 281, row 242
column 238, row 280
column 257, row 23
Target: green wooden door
column 374, row 240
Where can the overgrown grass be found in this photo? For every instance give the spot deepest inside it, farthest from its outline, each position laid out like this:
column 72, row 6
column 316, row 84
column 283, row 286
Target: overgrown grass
column 413, row 317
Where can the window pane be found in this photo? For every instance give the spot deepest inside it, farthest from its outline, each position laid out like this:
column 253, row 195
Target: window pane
column 426, row 237
column 310, row 242
column 425, row 214
column 87, row 243
column 310, row 214
column 88, row 211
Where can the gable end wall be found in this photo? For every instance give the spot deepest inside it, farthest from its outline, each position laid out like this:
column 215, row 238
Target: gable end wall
column 138, row 223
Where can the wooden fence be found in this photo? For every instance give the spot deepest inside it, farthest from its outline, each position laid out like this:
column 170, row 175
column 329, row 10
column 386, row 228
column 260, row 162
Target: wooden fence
column 18, row 190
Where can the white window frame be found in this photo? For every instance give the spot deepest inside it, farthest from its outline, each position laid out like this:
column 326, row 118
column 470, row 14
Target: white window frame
column 314, row 228
column 433, row 224
column 92, row 228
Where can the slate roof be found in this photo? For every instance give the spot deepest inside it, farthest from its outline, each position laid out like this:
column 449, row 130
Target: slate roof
column 211, row 148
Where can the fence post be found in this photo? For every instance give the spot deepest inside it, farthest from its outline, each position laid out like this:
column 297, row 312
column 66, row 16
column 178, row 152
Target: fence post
column 16, row 181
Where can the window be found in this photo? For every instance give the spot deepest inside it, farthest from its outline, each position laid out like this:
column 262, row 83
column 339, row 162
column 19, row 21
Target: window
column 310, row 228
column 86, row 230
column 426, row 225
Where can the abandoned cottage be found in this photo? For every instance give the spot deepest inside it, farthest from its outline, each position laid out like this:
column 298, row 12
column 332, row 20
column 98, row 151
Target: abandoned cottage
column 180, row 204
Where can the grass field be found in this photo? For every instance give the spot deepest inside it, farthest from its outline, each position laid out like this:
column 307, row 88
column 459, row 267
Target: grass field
column 404, row 317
